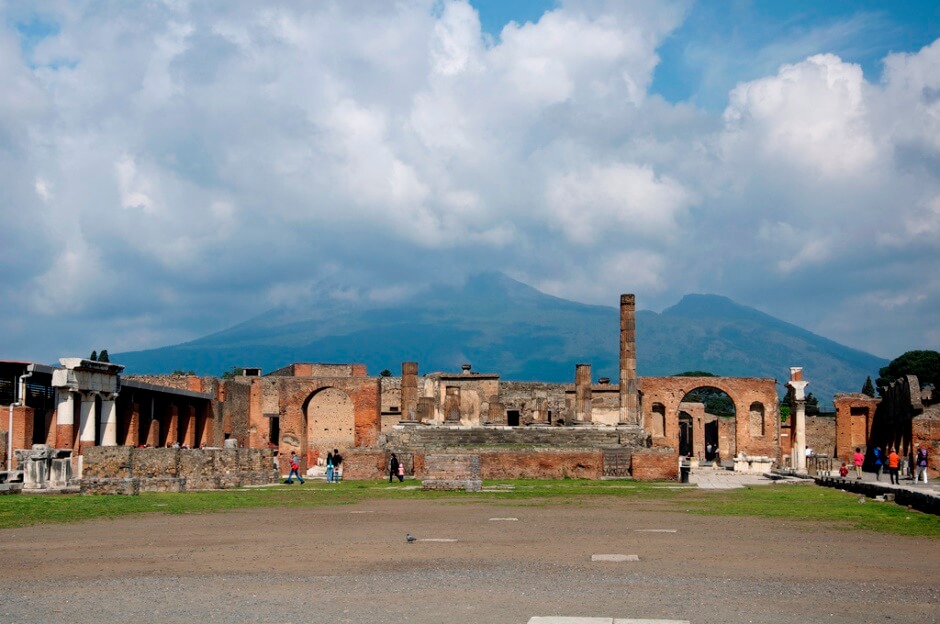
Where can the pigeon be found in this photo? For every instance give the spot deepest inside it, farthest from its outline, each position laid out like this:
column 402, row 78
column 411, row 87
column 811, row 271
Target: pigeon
column 410, row 538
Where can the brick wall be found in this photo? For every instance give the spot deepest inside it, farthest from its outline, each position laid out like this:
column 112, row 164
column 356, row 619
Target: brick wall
column 650, row 466
column 821, row 434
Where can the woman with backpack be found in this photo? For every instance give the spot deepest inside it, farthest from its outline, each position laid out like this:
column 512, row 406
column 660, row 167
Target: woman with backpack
column 921, row 464
column 329, row 467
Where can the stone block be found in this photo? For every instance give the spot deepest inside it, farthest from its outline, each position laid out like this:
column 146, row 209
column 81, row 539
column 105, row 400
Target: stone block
column 106, row 486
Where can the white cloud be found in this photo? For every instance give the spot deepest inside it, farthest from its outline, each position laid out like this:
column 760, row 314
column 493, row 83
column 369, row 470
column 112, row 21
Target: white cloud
column 162, row 162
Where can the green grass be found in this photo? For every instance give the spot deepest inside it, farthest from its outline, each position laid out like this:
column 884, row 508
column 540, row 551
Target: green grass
column 802, row 503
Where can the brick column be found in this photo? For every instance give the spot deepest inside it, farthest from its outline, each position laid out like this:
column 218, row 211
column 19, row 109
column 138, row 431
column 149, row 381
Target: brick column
column 629, row 401
column 188, row 427
column 131, row 427
column 582, row 393
column 153, row 433
column 64, row 419
column 172, row 424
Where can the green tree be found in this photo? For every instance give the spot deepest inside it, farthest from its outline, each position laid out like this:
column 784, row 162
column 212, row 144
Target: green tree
column 924, row 364
column 784, row 412
column 182, row 373
column 812, row 405
column 94, row 356
column 236, row 371
column 103, row 356
column 385, row 373
column 868, row 388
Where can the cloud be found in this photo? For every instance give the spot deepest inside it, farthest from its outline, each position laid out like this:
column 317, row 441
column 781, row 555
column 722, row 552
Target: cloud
column 171, row 168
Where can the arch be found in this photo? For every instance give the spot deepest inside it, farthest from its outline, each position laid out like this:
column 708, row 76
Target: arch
column 329, row 415
column 757, row 421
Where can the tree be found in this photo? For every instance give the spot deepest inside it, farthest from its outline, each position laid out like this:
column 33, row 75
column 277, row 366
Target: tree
column 812, row 405
column 868, row 388
column 232, row 374
column 385, row 373
column 695, row 374
column 182, row 373
column 94, row 356
column 103, row 356
column 924, row 364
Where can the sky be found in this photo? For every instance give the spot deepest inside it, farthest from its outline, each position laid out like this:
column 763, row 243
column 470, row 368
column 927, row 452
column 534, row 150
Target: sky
column 171, row 168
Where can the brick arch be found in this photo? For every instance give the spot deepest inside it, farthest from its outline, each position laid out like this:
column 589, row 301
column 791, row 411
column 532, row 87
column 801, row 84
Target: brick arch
column 294, row 395
column 743, row 391
column 331, row 421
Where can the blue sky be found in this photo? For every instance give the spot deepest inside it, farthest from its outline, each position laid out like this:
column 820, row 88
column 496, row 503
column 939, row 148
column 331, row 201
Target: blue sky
column 168, row 169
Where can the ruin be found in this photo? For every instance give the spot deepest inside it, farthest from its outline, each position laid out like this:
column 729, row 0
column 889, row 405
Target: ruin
column 637, row 428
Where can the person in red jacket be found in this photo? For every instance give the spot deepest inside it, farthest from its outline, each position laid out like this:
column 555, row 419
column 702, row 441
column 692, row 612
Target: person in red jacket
column 858, row 460
column 294, row 470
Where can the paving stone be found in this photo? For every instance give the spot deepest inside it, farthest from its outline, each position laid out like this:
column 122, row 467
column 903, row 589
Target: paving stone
column 615, row 558
column 504, row 519
column 437, row 539
column 657, row 530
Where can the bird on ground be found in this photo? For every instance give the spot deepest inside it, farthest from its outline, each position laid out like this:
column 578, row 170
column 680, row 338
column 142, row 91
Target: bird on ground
column 410, row 538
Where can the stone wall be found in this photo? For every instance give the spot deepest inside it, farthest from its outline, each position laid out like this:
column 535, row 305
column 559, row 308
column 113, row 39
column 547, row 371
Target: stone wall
column 522, row 396
column 821, row 434
column 124, row 469
column 452, row 471
column 542, row 464
column 419, row 437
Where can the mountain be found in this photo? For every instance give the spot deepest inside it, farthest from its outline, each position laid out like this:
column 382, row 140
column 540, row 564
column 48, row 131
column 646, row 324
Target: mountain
column 501, row 325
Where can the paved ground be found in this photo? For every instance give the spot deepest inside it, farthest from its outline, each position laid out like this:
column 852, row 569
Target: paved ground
column 352, row 564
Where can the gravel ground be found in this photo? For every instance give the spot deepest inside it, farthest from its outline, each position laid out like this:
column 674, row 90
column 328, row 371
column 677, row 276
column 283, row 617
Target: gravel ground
column 330, row 565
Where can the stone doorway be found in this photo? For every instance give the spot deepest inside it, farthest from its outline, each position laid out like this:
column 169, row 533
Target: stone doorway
column 685, row 434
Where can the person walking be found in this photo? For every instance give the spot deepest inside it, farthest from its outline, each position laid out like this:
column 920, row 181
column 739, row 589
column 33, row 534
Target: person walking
column 393, row 468
column 858, row 459
column 401, row 471
column 337, row 462
column 879, row 464
column 894, row 460
column 329, row 467
column 294, row 470
column 921, row 464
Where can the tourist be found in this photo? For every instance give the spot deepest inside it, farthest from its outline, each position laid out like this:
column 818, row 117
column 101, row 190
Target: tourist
column 921, row 464
column 878, row 463
column 294, row 470
column 392, row 468
column 893, row 461
column 843, row 470
column 337, row 461
column 329, row 467
column 401, row 471
column 858, row 459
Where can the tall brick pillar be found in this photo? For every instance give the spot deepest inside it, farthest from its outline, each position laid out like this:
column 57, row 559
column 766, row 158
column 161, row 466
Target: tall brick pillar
column 188, row 426
column 582, row 393
column 629, row 403
column 64, row 419
column 172, row 424
column 409, row 392
column 153, row 433
column 130, row 424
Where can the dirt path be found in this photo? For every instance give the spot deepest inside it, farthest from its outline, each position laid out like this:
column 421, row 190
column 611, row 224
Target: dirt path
column 333, row 565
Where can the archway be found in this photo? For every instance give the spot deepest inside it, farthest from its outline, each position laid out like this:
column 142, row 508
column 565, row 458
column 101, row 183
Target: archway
column 712, row 422
column 330, row 421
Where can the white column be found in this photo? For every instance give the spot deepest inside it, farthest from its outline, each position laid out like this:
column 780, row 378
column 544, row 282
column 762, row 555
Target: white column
column 65, row 409
column 86, row 425
column 109, row 419
column 799, row 424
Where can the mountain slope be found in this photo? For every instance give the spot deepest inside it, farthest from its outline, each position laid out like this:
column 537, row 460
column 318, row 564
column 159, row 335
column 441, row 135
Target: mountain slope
column 501, row 325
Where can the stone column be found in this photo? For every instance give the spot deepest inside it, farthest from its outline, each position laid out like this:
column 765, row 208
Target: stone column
column 108, row 419
column 409, row 391
column 629, row 403
column 153, row 433
column 86, row 423
column 64, row 419
column 582, row 393
column 541, row 410
column 798, row 420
